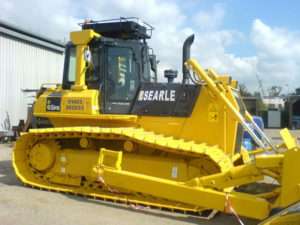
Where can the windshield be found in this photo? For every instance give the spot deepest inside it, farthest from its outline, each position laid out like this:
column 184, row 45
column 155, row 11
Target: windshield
column 122, row 74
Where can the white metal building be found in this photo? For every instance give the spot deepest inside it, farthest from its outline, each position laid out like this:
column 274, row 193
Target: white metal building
column 274, row 102
column 26, row 61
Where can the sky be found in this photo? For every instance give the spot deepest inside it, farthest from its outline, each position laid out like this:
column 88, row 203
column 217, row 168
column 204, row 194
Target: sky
column 243, row 39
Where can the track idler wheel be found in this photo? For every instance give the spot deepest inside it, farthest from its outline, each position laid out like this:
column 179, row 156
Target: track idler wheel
column 42, row 155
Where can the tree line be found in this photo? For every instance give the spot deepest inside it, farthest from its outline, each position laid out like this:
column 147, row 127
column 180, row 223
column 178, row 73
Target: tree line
column 272, row 91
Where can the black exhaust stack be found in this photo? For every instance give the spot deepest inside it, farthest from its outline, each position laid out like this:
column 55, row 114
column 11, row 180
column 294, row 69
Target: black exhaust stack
column 185, row 57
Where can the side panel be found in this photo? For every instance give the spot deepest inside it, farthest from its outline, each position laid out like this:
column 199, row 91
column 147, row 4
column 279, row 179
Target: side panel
column 53, row 102
column 158, row 99
column 67, row 103
column 209, row 122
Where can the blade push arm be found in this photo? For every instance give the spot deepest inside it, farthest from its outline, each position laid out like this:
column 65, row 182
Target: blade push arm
column 218, row 89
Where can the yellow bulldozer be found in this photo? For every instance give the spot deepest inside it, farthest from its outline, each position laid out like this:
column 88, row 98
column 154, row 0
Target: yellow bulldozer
column 119, row 135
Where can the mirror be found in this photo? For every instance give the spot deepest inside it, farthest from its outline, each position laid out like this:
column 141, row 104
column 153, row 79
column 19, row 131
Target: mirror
column 87, row 56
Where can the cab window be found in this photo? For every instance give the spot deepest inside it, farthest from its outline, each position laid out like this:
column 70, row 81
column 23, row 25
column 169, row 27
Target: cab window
column 122, row 74
column 92, row 74
column 72, row 65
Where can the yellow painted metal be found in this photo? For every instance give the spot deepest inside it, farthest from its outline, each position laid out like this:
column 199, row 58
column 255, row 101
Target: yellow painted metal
column 84, row 142
column 179, row 163
column 213, row 74
column 44, row 85
column 110, row 159
column 72, row 103
column 217, row 89
column 42, row 156
column 290, row 177
column 271, row 161
column 209, row 123
column 149, row 172
column 73, row 163
column 236, row 157
column 202, row 126
column 291, row 142
column 81, row 39
column 128, row 146
column 234, row 84
column 80, row 68
column 78, row 109
column 235, row 176
column 245, row 155
column 190, row 180
column 255, row 152
column 272, row 174
column 226, row 80
column 255, row 207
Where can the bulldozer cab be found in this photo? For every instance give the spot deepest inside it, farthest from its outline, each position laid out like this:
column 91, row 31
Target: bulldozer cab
column 118, row 64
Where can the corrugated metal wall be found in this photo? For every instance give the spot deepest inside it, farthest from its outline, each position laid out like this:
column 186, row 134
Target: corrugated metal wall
column 24, row 65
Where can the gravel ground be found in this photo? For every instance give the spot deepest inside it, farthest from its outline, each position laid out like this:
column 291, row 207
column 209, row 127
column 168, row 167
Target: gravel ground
column 275, row 137
column 24, row 205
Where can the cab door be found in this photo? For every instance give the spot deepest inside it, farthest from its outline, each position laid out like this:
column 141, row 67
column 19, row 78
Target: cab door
column 121, row 79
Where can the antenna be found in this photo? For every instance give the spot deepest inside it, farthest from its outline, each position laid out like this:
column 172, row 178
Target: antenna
column 262, row 92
